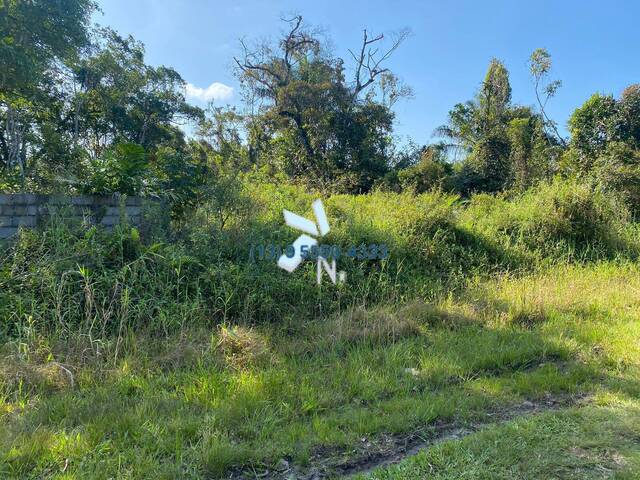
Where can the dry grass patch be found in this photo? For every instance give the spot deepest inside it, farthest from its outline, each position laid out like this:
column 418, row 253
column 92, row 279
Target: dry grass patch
column 615, row 288
column 21, row 375
column 377, row 326
column 183, row 351
column 447, row 314
column 242, row 347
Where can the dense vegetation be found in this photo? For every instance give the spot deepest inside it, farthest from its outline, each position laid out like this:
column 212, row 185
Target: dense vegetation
column 172, row 353
column 82, row 111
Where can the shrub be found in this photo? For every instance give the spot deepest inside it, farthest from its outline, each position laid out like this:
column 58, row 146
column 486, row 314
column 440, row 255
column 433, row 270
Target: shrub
column 432, row 171
column 562, row 217
column 618, row 170
column 121, row 168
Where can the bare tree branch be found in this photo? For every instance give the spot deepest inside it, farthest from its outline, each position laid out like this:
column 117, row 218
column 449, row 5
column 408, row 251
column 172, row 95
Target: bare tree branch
column 369, row 63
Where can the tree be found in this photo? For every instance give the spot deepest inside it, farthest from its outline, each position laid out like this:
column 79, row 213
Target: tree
column 312, row 123
column 540, row 66
column 618, row 169
column 605, row 141
column 501, row 143
column 221, row 132
column 494, row 98
column 121, row 168
column 477, row 128
column 530, row 150
column 34, row 35
column 119, row 98
column 37, row 37
column 592, row 127
column 431, row 171
column 629, row 108
column 601, row 120
column 80, row 110
column 483, row 117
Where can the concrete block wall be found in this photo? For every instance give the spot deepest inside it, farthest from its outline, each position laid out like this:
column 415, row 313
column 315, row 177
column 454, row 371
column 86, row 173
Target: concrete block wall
column 30, row 210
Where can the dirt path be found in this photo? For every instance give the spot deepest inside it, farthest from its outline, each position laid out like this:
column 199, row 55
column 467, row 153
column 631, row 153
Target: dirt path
column 387, row 450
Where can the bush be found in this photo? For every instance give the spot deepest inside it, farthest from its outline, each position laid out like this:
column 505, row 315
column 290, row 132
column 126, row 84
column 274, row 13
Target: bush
column 432, row 171
column 618, row 170
column 562, row 217
column 73, row 280
column 121, row 168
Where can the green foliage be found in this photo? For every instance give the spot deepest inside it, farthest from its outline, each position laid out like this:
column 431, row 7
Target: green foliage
column 36, row 39
column 432, row 171
column 602, row 120
column 592, row 126
column 489, row 160
column 205, row 275
column 630, row 115
column 529, row 153
column 504, row 145
column 604, row 144
column 102, row 96
column 178, row 177
column 212, row 402
column 618, row 169
column 540, row 68
column 34, row 35
column 221, row 137
column 494, row 97
column 316, row 126
column 119, row 98
column 121, row 169
column 569, row 218
column 81, row 112
column 74, row 280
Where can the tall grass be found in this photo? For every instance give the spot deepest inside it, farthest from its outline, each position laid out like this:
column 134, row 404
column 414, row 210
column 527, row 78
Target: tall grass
column 74, row 281
column 561, row 221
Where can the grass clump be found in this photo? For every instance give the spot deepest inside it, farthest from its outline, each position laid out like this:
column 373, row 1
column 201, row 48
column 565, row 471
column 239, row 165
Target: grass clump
column 379, row 325
column 564, row 219
column 241, row 346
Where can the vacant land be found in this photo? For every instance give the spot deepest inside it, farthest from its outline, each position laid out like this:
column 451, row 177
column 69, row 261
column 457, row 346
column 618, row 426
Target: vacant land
column 488, row 325
column 344, row 393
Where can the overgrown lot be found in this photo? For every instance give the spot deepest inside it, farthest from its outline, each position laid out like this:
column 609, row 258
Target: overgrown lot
column 175, row 356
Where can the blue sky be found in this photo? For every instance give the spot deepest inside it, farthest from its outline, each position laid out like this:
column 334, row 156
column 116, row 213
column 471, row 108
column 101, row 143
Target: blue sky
column 594, row 45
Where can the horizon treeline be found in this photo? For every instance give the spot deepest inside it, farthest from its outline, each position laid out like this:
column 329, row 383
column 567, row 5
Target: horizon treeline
column 81, row 111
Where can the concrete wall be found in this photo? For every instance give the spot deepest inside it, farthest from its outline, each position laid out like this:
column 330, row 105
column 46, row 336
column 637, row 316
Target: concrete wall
column 31, row 210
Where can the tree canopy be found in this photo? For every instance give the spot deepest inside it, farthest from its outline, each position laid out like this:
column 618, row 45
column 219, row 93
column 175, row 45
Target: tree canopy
column 81, row 110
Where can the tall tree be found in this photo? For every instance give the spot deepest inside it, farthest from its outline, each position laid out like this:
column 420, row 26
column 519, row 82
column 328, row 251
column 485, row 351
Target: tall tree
column 592, row 127
column 605, row 142
column 478, row 129
column 313, row 122
column 499, row 141
column 494, row 98
column 36, row 38
column 630, row 115
column 120, row 98
column 540, row 67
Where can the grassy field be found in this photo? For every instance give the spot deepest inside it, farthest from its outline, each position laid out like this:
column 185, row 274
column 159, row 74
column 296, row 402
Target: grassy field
column 177, row 356
column 329, row 395
column 485, row 321
column 599, row 441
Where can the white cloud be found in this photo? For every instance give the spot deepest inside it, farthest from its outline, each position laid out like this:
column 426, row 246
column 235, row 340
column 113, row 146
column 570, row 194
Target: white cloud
column 215, row 91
